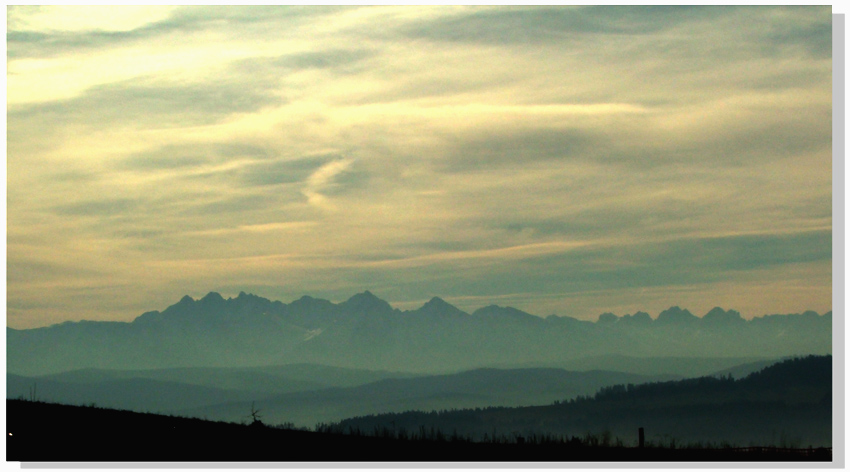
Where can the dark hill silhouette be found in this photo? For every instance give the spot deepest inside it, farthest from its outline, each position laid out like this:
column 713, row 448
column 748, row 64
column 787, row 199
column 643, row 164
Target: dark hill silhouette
column 366, row 332
column 477, row 388
column 744, row 369
column 789, row 403
column 230, row 390
column 43, row 432
column 174, row 390
column 306, row 394
column 135, row 394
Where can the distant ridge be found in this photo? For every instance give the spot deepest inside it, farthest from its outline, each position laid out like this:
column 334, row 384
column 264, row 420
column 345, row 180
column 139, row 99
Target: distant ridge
column 367, row 302
column 367, row 332
column 787, row 402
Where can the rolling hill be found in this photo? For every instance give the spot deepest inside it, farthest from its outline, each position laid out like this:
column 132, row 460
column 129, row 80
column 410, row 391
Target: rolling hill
column 476, row 388
column 787, row 404
column 305, row 395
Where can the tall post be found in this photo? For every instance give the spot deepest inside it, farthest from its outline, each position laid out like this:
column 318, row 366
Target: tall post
column 640, row 437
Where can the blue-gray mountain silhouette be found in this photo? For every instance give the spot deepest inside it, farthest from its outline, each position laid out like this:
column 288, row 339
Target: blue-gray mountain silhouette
column 366, row 332
column 639, row 318
column 366, row 303
column 437, row 308
column 675, row 315
column 306, row 394
column 718, row 316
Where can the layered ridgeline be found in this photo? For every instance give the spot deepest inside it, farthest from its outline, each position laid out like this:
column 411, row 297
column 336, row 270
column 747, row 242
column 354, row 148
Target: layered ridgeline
column 787, row 404
column 366, row 332
column 307, row 394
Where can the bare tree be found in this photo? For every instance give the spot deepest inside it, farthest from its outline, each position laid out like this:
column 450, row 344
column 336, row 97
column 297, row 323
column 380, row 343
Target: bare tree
column 255, row 416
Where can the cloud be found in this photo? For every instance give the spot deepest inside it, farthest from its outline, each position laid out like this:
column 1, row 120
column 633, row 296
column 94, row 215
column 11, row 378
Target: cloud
column 323, row 180
column 191, row 155
column 266, row 227
column 284, row 171
column 343, row 60
column 536, row 155
column 79, row 18
column 155, row 104
column 540, row 25
column 46, row 31
column 119, row 206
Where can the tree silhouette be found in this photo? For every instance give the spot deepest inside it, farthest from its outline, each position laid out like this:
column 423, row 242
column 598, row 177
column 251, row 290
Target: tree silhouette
column 255, row 416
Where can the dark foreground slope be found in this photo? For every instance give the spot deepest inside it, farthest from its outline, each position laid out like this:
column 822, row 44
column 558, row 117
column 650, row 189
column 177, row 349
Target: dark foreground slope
column 786, row 404
column 42, row 432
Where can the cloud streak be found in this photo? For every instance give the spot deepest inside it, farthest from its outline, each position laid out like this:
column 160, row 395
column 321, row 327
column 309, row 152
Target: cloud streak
column 322, row 180
column 560, row 159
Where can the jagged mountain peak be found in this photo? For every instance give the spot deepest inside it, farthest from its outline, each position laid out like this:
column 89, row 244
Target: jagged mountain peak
column 639, row 317
column 363, row 297
column 436, row 301
column 507, row 312
column 248, row 297
column 439, row 303
column 674, row 314
column 307, row 300
column 719, row 315
column 212, row 297
column 436, row 306
column 364, row 332
column 487, row 310
column 366, row 302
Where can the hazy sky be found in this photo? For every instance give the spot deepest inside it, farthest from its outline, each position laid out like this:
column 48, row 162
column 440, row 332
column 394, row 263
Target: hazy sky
column 567, row 160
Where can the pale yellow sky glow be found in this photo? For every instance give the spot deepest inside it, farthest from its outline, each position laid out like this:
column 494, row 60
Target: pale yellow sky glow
column 81, row 18
column 568, row 160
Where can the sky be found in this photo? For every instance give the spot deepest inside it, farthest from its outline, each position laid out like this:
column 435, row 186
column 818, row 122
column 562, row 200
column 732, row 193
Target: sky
column 568, row 160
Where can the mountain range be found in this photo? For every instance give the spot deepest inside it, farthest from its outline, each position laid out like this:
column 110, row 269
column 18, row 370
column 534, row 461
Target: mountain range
column 365, row 332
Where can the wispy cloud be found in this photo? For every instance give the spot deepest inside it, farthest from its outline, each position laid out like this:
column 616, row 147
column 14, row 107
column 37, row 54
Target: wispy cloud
column 563, row 159
column 322, row 180
column 83, row 19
